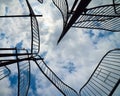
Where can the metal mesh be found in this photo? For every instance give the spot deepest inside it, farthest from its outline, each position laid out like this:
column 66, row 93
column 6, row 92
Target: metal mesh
column 61, row 86
column 23, row 74
column 117, row 6
column 103, row 17
column 62, row 5
column 4, row 71
column 106, row 76
column 106, row 17
column 35, row 38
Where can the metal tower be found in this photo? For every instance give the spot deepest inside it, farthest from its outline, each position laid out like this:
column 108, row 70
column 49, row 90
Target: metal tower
column 105, row 17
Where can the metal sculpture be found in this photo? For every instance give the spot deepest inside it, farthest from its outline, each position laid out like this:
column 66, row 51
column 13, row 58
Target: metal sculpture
column 4, row 72
column 106, row 17
column 106, row 77
column 23, row 57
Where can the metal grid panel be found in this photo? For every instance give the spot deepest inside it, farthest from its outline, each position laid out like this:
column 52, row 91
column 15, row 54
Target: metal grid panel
column 69, row 18
column 102, row 17
column 106, row 17
column 54, row 79
column 35, row 38
column 98, row 22
column 62, row 5
column 106, row 76
column 4, row 72
column 23, row 74
column 116, row 6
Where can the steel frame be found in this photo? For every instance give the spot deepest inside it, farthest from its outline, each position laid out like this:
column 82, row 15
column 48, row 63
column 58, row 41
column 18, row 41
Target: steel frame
column 23, row 58
column 106, row 77
column 100, row 17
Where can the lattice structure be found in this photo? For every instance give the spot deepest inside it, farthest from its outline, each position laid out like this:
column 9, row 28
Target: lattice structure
column 106, row 75
column 4, row 71
column 106, row 17
column 23, row 72
column 55, row 80
column 22, row 57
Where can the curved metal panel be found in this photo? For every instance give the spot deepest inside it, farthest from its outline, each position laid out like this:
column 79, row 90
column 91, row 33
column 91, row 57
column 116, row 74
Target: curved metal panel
column 106, row 17
column 77, row 9
column 105, row 78
column 35, row 38
column 4, row 72
column 62, row 5
column 23, row 74
column 102, row 17
column 54, row 79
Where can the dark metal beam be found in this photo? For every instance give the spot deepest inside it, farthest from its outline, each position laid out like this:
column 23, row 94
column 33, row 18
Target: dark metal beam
column 13, row 61
column 19, row 16
column 79, row 10
column 13, row 54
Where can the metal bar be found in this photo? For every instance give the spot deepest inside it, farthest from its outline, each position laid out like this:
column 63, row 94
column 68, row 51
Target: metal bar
column 13, row 54
column 19, row 16
column 80, row 8
column 14, row 61
column 111, row 93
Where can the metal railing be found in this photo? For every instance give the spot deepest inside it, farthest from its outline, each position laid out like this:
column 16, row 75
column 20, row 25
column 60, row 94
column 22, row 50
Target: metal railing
column 54, row 79
column 106, row 17
column 4, row 72
column 102, row 17
column 116, row 4
column 23, row 73
column 62, row 5
column 102, row 82
column 21, row 57
column 70, row 15
column 105, row 78
column 35, row 36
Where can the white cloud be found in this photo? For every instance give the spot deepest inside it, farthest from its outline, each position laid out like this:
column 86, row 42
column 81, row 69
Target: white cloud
column 5, row 89
column 77, row 46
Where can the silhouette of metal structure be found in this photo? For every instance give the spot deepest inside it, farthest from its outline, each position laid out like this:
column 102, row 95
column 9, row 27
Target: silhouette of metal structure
column 105, row 17
column 4, row 72
column 106, row 75
column 22, row 57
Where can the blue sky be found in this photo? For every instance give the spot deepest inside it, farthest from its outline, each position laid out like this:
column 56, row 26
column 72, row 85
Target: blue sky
column 73, row 60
